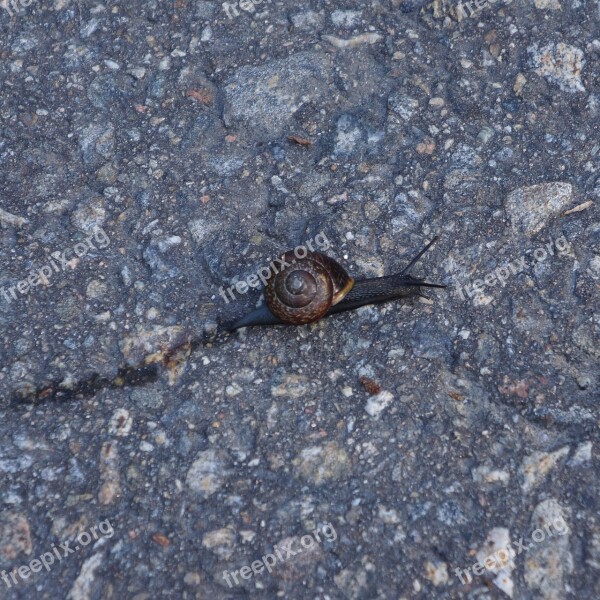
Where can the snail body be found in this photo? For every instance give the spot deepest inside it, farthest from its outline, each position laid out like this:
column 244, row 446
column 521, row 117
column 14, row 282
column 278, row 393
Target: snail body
column 314, row 286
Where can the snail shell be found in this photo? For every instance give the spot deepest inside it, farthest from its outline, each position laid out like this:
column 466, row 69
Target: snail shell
column 305, row 288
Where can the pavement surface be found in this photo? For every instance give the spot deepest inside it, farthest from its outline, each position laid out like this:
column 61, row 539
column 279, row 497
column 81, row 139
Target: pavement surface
column 153, row 155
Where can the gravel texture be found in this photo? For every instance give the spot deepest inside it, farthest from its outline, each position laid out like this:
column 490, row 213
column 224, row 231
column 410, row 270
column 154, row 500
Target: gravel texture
column 154, row 154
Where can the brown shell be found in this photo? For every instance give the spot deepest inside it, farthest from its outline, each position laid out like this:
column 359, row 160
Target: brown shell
column 303, row 290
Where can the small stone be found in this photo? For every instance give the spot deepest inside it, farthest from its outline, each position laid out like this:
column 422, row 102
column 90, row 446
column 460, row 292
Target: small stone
column 357, row 40
column 485, row 135
column 559, row 63
column 247, row 535
column 7, row 218
column 426, row 147
column 208, row 472
column 220, row 541
column 580, row 207
column 15, row 536
column 377, row 404
column 496, row 556
column 120, row 423
column 353, row 583
column 267, row 97
column 206, row 34
column 520, row 82
column 370, row 385
column 96, row 289
column 337, row 198
column 583, row 453
column 192, row 578
column 152, row 343
column 583, row 379
column 82, row 586
column 161, row 540
column 436, row 572
column 291, row 386
column 346, row 18
column 137, row 72
column 404, row 106
column 389, row 516
column 348, row 135
column 536, row 466
column 304, row 562
column 322, row 464
column 307, row 21
column 549, row 560
column 547, row 4
column 530, row 208
column 89, row 214
column 233, row 390
column 97, row 142
column 109, row 473
column 107, row 174
column 486, row 475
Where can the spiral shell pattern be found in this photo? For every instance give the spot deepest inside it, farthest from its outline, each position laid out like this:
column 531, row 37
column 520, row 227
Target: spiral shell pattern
column 305, row 288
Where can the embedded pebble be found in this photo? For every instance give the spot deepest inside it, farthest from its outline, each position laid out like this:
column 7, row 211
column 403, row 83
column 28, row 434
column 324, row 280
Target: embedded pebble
column 536, row 467
column 292, row 386
column 378, row 403
column 89, row 214
column 560, row 63
column 322, row 464
column 353, row 583
column 530, row 208
column 436, row 572
column 346, row 18
column 220, row 541
column 120, row 423
column 15, row 536
column 7, row 218
column 582, row 454
column 308, row 20
column 109, row 473
column 497, row 552
column 83, row 585
column 267, row 97
column 208, row 472
column 547, row 4
column 487, row 475
column 549, row 561
column 357, row 40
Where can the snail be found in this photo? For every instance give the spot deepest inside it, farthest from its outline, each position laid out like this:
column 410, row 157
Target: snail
column 314, row 286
